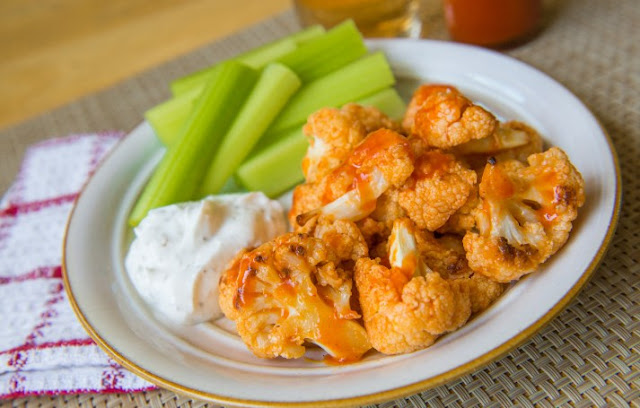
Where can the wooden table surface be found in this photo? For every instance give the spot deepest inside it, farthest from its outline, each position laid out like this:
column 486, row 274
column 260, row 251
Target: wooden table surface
column 55, row 51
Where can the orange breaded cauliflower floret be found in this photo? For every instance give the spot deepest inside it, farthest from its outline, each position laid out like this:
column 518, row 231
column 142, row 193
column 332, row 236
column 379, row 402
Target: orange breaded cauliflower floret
column 343, row 236
column 438, row 187
column 306, row 197
column 510, row 141
column 381, row 161
column 446, row 256
column 443, row 117
column 463, row 219
column 483, row 291
column 290, row 291
column 407, row 306
column 525, row 214
column 333, row 133
column 371, row 117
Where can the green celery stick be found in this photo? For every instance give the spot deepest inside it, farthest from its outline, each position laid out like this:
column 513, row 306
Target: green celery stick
column 183, row 166
column 259, row 57
column 313, row 54
column 255, row 58
column 307, row 34
column 321, row 55
column 167, row 118
column 276, row 168
column 272, row 91
column 318, row 55
column 354, row 81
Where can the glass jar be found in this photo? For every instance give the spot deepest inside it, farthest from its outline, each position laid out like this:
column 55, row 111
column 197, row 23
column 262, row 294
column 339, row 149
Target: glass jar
column 492, row 23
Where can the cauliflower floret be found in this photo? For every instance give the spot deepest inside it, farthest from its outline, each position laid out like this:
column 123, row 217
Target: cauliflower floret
column 333, row 133
column 405, row 307
column 511, row 141
column 444, row 117
column 306, row 197
column 381, row 161
column 388, row 152
column 482, row 291
column 227, row 286
column 289, row 291
column 371, row 117
column 343, row 236
column 438, row 187
column 462, row 220
column 446, row 256
column 418, row 146
column 525, row 214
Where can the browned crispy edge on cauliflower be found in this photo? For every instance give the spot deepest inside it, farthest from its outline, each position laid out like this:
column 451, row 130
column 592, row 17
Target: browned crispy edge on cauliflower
column 525, row 214
column 289, row 292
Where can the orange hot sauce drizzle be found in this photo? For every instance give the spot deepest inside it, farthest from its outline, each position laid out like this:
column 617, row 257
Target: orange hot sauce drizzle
column 375, row 143
column 367, row 197
column 398, row 278
column 546, row 184
column 496, row 184
column 330, row 331
column 355, row 168
column 371, row 149
column 432, row 163
column 246, row 291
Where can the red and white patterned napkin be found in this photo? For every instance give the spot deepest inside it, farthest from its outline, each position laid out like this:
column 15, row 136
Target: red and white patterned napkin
column 43, row 348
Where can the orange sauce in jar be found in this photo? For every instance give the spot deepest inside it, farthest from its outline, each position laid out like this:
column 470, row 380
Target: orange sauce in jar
column 493, row 23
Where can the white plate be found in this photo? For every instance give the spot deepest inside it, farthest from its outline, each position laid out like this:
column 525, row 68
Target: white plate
column 218, row 367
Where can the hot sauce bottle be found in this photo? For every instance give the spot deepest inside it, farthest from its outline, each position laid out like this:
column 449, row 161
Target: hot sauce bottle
column 492, row 23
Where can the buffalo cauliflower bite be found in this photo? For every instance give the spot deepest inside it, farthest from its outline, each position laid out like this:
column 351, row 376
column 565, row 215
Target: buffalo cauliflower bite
column 483, row 291
column 381, row 161
column 446, row 256
column 306, row 197
column 510, row 141
column 371, row 117
column 463, row 219
column 525, row 214
column 343, row 236
column 333, row 133
column 418, row 146
column 444, row 117
column 438, row 187
column 407, row 306
column 289, row 291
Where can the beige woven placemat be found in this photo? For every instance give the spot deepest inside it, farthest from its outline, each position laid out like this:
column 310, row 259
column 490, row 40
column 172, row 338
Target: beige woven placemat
column 589, row 354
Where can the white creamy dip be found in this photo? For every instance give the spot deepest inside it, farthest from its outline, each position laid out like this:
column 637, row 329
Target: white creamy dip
column 180, row 251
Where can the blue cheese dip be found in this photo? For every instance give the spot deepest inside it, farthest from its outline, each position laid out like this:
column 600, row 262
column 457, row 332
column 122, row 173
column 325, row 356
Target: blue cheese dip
column 180, row 251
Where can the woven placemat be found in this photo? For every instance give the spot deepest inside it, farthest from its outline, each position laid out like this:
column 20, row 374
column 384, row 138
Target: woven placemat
column 588, row 355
